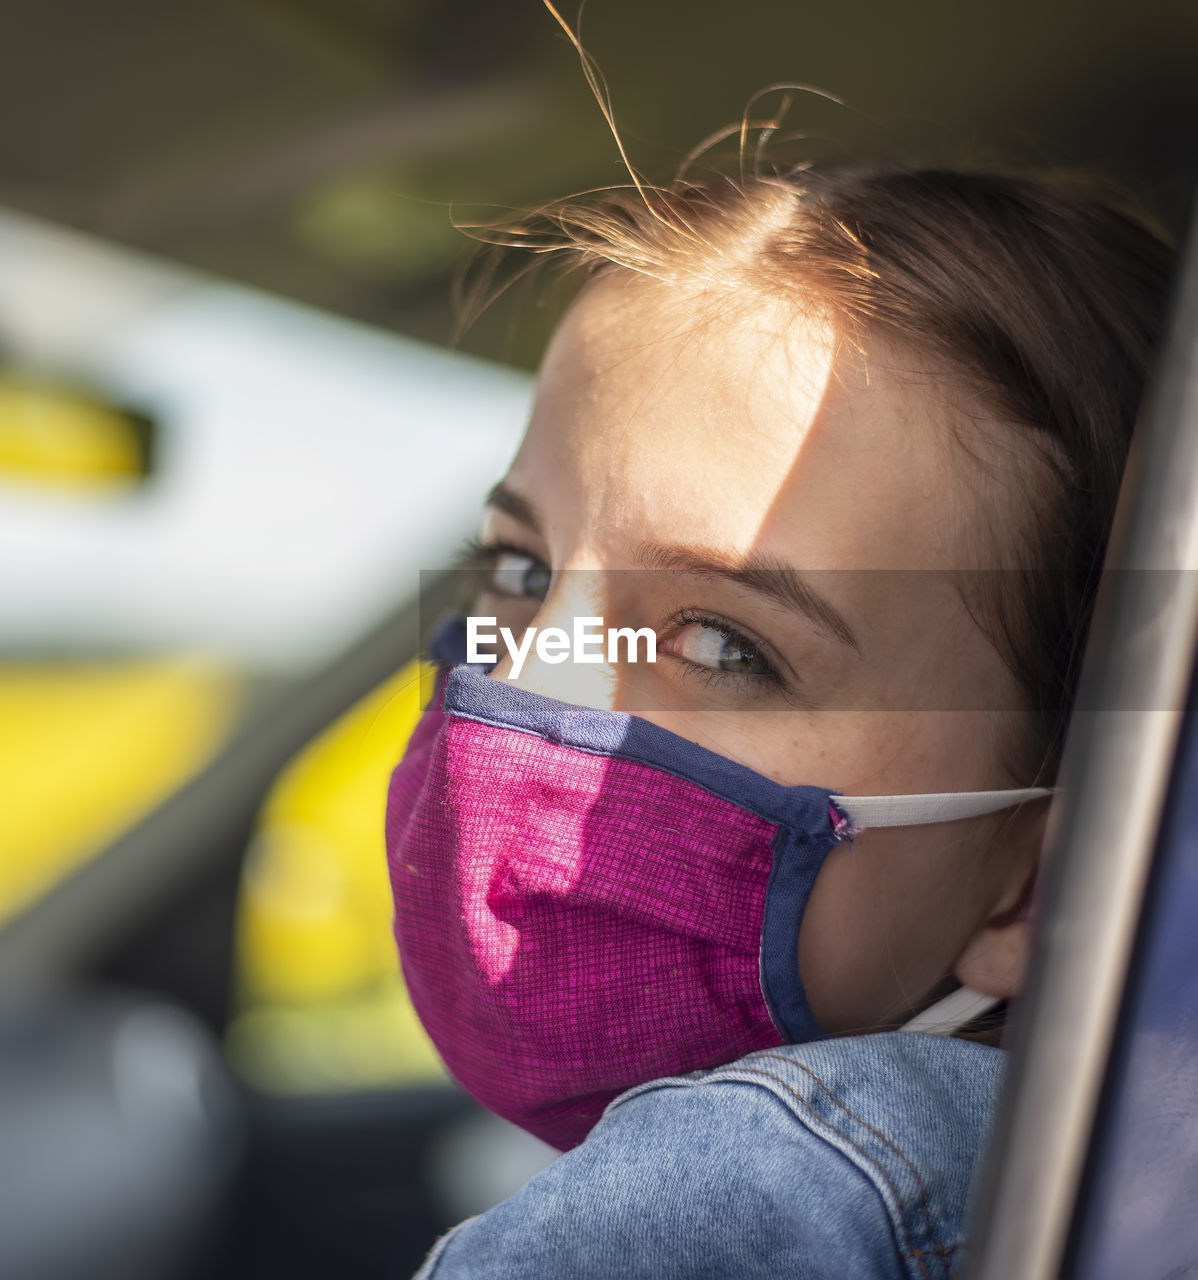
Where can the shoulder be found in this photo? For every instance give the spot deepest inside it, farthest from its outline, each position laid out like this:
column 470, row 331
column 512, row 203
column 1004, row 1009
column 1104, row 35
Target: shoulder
column 843, row 1157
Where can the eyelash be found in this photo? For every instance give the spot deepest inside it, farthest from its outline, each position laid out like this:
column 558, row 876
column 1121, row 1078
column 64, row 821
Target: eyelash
column 479, row 554
column 712, row 675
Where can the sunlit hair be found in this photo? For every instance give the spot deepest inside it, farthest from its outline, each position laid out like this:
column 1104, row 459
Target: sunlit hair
column 1044, row 294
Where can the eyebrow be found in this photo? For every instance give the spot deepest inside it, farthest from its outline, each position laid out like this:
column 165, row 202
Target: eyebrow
column 756, row 572
column 504, row 498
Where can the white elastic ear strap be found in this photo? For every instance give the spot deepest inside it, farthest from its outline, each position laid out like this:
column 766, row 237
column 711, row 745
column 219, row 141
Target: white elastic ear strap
column 948, row 1015
column 864, row 812
column 959, row 1007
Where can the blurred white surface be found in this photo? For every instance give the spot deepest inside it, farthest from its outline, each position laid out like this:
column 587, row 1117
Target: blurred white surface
column 308, row 467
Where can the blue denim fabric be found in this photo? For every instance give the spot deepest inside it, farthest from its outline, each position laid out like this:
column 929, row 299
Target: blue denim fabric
column 843, row 1159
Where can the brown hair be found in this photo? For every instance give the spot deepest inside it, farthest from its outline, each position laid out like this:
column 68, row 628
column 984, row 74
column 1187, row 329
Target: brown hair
column 1044, row 293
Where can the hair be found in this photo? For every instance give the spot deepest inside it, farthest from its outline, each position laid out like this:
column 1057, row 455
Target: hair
column 1048, row 296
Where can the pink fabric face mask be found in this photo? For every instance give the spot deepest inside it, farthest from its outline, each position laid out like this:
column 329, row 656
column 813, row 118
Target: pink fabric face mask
column 585, row 901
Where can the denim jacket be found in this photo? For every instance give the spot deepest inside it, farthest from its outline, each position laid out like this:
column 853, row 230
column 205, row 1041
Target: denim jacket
column 842, row 1159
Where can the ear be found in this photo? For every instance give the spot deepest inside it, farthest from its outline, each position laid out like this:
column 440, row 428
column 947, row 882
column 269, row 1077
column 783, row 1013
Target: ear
column 994, row 961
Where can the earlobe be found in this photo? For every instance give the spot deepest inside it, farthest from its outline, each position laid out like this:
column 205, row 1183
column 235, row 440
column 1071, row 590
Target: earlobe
column 994, row 961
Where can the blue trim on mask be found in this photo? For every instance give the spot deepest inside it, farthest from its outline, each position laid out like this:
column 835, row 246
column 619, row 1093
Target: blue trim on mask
column 447, row 644
column 473, row 695
column 798, row 857
column 804, row 830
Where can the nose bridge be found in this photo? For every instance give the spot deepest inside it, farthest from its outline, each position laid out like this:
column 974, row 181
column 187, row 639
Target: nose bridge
column 576, row 594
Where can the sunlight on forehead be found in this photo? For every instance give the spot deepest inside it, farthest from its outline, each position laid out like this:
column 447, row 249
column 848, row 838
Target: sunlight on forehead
column 677, row 410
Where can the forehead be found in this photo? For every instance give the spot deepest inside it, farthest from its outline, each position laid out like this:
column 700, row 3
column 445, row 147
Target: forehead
column 706, row 413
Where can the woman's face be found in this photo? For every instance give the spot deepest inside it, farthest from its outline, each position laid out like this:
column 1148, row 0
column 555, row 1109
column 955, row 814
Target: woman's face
column 790, row 518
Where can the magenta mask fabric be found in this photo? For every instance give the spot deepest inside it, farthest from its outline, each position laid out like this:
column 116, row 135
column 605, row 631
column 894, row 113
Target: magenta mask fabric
column 585, row 901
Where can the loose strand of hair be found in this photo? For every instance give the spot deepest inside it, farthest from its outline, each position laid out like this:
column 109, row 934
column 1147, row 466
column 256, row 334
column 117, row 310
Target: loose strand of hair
column 602, row 95
column 788, row 90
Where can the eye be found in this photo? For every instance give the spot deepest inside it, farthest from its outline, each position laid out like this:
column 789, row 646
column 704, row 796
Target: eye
column 517, row 573
column 717, row 645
